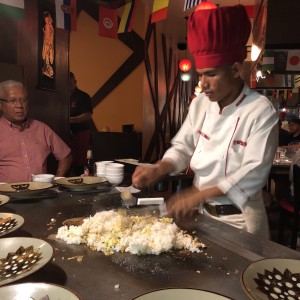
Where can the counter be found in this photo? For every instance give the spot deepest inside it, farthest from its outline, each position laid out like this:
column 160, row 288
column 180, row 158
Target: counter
column 218, row 268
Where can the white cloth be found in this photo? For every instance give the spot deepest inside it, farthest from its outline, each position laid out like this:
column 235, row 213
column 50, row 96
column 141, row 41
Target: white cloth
column 232, row 149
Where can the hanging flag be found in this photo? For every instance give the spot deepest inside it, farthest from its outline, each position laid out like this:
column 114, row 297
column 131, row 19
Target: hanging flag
column 293, row 60
column 297, row 81
column 289, row 80
column 190, row 3
column 159, row 10
column 108, row 22
column 12, row 8
column 268, row 61
column 250, row 11
column 66, row 17
column 128, row 16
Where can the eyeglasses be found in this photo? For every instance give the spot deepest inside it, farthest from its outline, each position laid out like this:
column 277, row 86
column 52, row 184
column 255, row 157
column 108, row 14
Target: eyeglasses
column 14, row 101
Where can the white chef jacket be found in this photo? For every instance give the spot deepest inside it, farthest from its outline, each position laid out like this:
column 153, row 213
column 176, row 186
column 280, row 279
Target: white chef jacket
column 232, row 148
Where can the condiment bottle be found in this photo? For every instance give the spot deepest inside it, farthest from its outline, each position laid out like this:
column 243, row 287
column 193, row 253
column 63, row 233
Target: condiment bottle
column 89, row 163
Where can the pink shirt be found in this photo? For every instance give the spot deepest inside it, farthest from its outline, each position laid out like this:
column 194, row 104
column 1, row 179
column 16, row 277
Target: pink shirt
column 25, row 152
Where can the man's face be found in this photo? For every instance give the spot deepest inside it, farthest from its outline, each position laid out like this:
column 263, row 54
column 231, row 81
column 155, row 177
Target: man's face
column 294, row 128
column 217, row 83
column 14, row 112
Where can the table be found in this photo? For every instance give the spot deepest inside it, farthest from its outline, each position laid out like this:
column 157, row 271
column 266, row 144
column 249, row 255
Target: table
column 280, row 174
column 217, row 269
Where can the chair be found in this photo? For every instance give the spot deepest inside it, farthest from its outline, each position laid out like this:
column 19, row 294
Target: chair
column 290, row 212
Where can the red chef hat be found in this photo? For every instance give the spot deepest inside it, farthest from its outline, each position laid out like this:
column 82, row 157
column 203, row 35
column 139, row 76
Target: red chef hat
column 218, row 36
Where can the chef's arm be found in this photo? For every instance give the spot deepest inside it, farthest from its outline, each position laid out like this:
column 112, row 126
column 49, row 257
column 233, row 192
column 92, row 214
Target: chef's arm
column 149, row 174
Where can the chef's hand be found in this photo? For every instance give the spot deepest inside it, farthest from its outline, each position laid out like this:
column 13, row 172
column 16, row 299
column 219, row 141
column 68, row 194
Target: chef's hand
column 145, row 175
column 184, row 204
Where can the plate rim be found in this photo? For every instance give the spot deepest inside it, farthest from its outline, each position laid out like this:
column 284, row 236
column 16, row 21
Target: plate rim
column 80, row 187
column 177, row 288
column 47, row 260
column 22, row 220
column 4, row 201
column 247, row 292
column 42, row 283
column 48, row 185
column 58, row 181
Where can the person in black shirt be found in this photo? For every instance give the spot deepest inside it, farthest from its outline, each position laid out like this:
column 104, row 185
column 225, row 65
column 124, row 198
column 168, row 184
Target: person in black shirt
column 80, row 117
column 284, row 135
column 294, row 127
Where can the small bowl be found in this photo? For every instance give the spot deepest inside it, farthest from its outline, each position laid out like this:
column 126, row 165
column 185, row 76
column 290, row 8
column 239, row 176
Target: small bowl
column 114, row 172
column 114, row 179
column 43, row 178
column 113, row 166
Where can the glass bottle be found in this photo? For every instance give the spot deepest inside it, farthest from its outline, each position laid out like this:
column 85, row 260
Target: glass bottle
column 89, row 163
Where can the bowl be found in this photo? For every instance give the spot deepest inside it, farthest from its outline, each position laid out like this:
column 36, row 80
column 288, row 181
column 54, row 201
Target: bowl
column 114, row 173
column 100, row 165
column 115, row 179
column 114, row 169
column 43, row 177
column 114, row 166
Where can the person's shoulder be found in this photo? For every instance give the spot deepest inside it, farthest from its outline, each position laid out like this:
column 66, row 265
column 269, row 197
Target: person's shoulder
column 39, row 124
column 259, row 102
column 82, row 93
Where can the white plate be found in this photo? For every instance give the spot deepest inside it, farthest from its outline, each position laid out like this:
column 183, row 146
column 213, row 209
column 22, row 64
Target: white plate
column 8, row 245
column 272, row 278
column 179, row 294
column 4, row 199
column 29, row 291
column 19, row 221
column 81, row 183
column 23, row 190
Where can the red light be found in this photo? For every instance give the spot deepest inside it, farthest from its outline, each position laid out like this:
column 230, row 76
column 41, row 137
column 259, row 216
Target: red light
column 206, row 5
column 185, row 65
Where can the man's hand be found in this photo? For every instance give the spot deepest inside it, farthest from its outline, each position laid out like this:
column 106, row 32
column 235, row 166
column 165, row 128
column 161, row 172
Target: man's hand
column 149, row 174
column 184, row 204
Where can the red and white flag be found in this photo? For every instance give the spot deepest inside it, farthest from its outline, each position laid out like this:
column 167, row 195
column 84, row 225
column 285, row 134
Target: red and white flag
column 293, row 60
column 108, row 22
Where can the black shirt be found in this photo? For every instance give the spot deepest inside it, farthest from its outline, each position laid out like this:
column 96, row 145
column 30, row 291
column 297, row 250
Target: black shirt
column 80, row 102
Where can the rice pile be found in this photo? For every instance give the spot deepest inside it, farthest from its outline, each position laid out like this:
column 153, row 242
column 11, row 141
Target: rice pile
column 110, row 231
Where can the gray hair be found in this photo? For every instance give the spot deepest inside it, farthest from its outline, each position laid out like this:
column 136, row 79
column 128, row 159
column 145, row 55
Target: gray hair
column 8, row 84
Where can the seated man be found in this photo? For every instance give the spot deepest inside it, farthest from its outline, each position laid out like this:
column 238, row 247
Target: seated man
column 296, row 161
column 26, row 143
column 294, row 127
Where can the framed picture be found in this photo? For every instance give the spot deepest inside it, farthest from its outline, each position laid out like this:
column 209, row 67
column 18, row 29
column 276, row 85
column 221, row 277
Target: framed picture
column 46, row 45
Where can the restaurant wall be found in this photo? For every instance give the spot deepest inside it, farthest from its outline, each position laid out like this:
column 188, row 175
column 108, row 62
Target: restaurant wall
column 95, row 59
column 19, row 46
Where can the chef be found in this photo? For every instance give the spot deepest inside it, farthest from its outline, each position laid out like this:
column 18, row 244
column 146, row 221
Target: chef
column 230, row 135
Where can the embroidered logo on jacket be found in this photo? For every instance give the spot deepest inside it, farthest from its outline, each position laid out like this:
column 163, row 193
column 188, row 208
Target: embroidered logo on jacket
column 238, row 142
